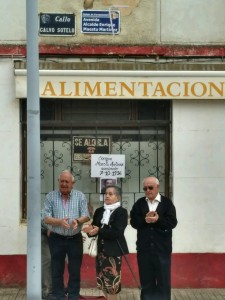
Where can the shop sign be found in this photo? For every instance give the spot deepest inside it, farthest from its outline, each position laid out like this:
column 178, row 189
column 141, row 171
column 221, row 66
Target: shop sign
column 57, row 24
column 100, row 21
column 126, row 85
column 85, row 146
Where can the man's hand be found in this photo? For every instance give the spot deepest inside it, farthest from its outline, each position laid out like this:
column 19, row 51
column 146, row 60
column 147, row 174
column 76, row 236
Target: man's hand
column 151, row 217
column 65, row 224
column 74, row 224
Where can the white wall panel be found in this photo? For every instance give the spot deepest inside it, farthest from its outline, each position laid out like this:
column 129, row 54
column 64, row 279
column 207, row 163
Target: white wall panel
column 13, row 21
column 143, row 22
column 139, row 21
column 199, row 175
column 12, row 232
column 192, row 21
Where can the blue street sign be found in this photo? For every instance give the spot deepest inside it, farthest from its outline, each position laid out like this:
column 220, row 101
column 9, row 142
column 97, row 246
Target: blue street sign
column 59, row 24
column 100, row 21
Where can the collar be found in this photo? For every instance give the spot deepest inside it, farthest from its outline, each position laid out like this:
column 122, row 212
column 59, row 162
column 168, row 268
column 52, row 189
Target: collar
column 69, row 195
column 157, row 198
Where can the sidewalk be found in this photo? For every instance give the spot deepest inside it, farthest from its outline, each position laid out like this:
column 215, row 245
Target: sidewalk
column 129, row 294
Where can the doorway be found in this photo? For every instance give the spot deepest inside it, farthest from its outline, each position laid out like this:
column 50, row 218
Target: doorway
column 138, row 129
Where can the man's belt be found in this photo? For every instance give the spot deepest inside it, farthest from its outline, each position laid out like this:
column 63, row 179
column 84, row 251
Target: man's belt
column 65, row 237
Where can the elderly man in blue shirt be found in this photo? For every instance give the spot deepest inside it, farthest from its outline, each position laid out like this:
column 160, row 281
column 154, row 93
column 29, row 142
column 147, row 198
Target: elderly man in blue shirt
column 65, row 210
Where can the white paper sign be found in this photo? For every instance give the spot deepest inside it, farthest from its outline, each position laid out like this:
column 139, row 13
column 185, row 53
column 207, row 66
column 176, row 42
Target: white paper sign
column 107, row 165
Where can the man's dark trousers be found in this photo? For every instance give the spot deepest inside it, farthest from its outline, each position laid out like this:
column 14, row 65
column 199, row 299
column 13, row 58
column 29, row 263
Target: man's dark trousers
column 155, row 277
column 60, row 247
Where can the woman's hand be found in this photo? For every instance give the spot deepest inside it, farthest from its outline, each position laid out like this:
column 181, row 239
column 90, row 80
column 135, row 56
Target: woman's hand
column 91, row 229
column 94, row 230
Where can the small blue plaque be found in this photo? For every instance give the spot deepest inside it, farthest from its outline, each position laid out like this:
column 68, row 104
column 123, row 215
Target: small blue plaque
column 59, row 24
column 100, row 21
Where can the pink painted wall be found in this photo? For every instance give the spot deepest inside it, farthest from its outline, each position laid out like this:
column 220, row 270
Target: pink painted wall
column 112, row 50
column 189, row 270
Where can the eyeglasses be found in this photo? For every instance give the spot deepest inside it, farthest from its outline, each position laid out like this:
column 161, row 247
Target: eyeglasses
column 150, row 188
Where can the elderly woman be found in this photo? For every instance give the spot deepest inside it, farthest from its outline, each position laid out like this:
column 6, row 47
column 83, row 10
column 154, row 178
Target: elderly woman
column 109, row 223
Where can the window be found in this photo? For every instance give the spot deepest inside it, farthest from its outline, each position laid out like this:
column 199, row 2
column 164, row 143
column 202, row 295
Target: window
column 138, row 129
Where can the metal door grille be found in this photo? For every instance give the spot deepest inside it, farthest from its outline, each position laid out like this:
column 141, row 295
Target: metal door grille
column 145, row 143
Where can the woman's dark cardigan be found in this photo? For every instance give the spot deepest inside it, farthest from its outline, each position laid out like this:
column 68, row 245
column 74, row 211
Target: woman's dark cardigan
column 112, row 235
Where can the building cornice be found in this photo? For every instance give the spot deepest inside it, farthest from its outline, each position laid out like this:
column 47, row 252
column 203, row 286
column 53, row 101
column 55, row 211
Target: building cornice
column 157, row 51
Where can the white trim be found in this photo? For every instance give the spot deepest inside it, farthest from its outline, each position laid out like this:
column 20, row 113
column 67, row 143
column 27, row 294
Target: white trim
column 103, row 73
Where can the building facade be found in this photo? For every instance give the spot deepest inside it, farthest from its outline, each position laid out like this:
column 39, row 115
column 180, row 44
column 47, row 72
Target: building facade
column 141, row 78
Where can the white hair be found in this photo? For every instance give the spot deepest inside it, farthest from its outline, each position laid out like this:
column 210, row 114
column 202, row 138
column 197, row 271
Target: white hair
column 67, row 172
column 153, row 177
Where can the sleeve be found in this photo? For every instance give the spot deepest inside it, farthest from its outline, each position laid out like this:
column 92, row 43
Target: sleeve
column 117, row 225
column 47, row 210
column 137, row 216
column 167, row 219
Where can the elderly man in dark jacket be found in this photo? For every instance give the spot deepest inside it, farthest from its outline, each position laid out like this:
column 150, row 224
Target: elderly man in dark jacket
column 154, row 217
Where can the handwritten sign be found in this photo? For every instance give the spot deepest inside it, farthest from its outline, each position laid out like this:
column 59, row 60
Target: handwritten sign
column 107, row 165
